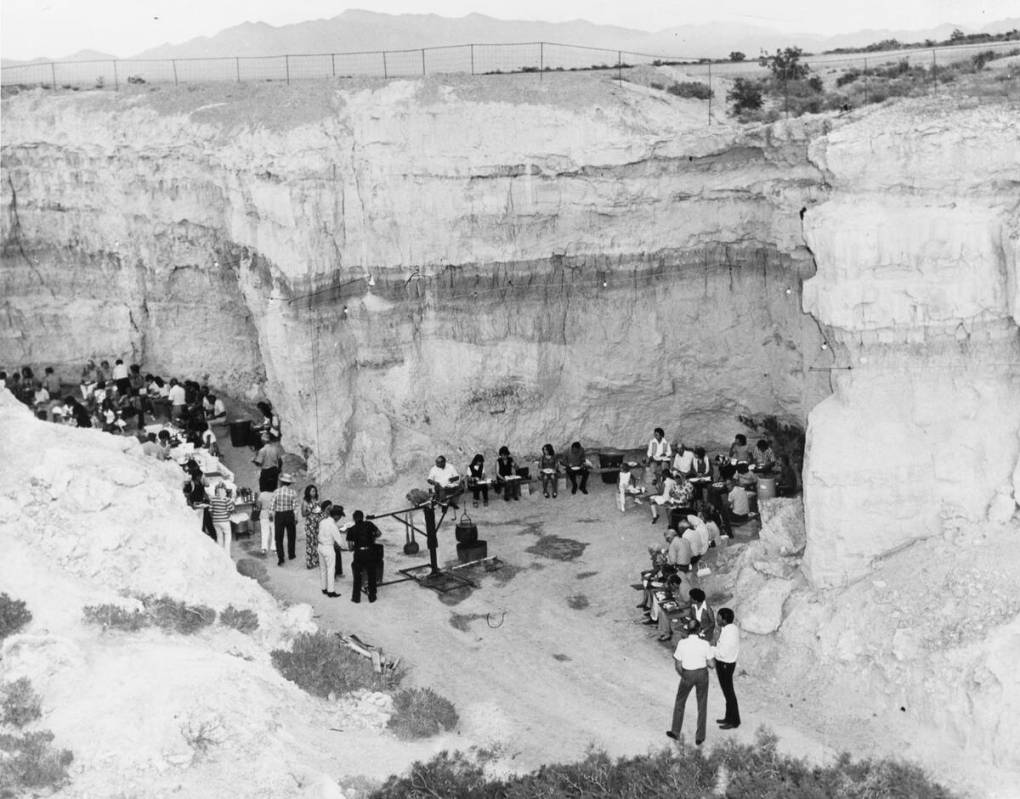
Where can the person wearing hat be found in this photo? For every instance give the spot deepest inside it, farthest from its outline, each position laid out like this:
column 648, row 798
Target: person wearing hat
column 693, row 658
column 285, row 502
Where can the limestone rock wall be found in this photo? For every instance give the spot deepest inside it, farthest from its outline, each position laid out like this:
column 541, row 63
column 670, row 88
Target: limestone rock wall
column 916, row 251
column 420, row 265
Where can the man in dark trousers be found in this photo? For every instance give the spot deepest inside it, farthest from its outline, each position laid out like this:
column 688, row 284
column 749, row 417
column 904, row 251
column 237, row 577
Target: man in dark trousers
column 284, row 504
column 361, row 538
column 693, row 658
column 726, row 650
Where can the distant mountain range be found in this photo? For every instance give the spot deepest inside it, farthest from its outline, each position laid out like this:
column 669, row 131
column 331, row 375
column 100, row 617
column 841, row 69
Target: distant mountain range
column 354, row 31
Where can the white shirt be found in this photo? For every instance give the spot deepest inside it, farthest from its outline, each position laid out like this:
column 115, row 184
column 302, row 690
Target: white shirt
column 738, row 501
column 177, row 395
column 701, row 530
column 684, row 461
column 329, row 534
column 728, row 646
column 120, row 371
column 693, row 653
column 447, row 476
column 695, row 541
column 659, row 450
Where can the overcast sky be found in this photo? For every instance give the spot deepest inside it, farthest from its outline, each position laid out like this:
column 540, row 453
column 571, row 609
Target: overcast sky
column 57, row 28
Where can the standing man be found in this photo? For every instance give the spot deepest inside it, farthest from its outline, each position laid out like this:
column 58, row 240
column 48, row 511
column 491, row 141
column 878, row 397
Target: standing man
column 659, row 453
column 361, row 539
column 284, row 503
column 220, row 508
column 269, row 459
column 178, row 399
column 726, row 650
column 693, row 658
column 702, row 613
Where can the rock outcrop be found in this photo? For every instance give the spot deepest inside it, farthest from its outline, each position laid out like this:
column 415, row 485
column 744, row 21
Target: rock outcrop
column 917, row 251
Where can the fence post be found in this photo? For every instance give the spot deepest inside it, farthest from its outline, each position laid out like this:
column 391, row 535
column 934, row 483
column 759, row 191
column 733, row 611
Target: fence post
column 53, row 73
column 619, row 66
column 286, row 66
column 866, row 96
column 332, row 61
column 472, row 59
column 385, row 72
column 173, row 63
column 237, row 68
column 934, row 79
column 423, row 61
column 116, row 79
column 710, row 93
column 541, row 60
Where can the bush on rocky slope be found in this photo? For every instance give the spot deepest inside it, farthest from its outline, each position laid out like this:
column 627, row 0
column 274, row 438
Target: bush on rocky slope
column 731, row 770
column 19, row 703
column 321, row 665
column 14, row 615
column 421, row 713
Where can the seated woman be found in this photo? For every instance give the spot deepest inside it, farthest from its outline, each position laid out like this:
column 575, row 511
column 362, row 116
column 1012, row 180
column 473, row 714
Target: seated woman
column 477, row 480
column 506, row 475
column 739, row 451
column 547, row 468
column 577, row 467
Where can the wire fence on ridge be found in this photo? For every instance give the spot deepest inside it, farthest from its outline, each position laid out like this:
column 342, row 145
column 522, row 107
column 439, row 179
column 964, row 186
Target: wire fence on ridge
column 539, row 59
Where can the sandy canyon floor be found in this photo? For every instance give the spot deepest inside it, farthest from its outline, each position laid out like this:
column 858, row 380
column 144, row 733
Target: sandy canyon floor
column 547, row 657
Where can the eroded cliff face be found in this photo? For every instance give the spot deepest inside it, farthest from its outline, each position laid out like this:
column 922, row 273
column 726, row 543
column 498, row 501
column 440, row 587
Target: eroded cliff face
column 420, row 265
column 916, row 249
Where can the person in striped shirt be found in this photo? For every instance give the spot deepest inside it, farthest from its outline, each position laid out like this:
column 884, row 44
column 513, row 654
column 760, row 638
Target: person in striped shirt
column 220, row 508
column 284, row 503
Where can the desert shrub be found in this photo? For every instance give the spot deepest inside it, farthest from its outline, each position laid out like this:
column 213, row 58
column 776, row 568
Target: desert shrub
column 19, row 703
column 421, row 713
column 320, row 664
column 174, row 616
column 114, row 617
column 980, row 59
column 848, row 77
column 135, row 79
column 14, row 614
column 693, row 89
column 246, row 621
column 745, row 95
column 32, row 763
column 732, row 770
column 249, row 567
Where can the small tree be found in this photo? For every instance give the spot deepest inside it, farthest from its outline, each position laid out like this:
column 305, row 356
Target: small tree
column 785, row 64
column 957, row 35
column 736, row 55
column 746, row 95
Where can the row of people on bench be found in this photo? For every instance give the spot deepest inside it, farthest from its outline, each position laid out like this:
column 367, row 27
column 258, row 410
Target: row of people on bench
column 447, row 483
column 692, row 462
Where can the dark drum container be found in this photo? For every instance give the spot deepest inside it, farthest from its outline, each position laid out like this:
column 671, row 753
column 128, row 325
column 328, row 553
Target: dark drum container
column 466, row 530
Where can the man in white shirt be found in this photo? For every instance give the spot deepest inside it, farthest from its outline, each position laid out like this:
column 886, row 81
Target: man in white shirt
column 726, row 650
column 659, row 453
column 445, row 479
column 177, row 399
column 669, row 487
column 738, row 504
column 693, row 656
column 684, row 460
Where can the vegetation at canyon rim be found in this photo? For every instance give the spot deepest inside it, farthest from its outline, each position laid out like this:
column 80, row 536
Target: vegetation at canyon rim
column 730, row 770
column 14, row 614
column 792, row 90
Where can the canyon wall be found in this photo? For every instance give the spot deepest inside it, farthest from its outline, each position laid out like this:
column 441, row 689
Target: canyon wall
column 416, row 266
column 916, row 250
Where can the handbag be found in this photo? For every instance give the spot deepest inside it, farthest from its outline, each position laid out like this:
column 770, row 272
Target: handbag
column 704, row 570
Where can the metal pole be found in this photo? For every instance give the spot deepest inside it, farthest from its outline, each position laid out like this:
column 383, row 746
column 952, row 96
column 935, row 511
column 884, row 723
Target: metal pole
column 431, row 539
column 116, row 79
column 866, row 95
column 173, row 63
column 541, row 59
column 619, row 66
column 709, row 92
column 933, row 76
column 286, row 66
column 472, row 59
column 237, row 68
column 385, row 71
column 423, row 61
column 53, row 72
column 332, row 60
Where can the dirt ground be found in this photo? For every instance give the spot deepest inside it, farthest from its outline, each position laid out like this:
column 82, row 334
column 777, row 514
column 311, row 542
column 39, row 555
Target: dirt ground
column 546, row 657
